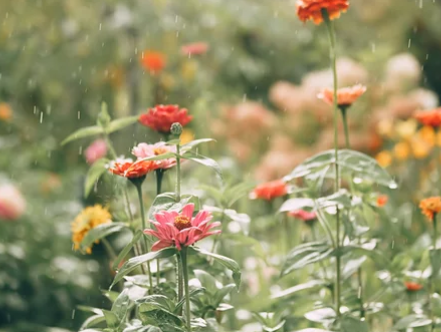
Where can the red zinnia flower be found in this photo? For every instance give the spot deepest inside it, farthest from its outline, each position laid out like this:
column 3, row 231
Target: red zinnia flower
column 153, row 61
column 161, row 117
column 412, row 286
column 345, row 96
column 382, row 200
column 429, row 118
column 306, row 216
column 270, row 190
column 311, row 9
column 131, row 170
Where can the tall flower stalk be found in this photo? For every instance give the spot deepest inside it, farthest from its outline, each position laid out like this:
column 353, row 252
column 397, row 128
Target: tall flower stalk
column 184, row 264
column 333, row 58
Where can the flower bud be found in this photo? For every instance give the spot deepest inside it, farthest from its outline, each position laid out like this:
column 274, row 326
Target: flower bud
column 176, row 129
column 104, row 117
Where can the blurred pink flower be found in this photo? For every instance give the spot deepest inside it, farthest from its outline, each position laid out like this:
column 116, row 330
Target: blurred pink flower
column 144, row 150
column 95, row 151
column 303, row 215
column 12, row 203
column 197, row 48
column 181, row 229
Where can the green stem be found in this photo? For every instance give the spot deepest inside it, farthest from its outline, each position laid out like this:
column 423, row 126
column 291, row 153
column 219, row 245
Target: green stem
column 314, row 238
column 110, row 146
column 141, row 207
column 178, row 172
column 187, row 293
column 159, row 176
column 179, row 280
column 109, row 249
column 433, row 276
column 343, row 110
column 333, row 59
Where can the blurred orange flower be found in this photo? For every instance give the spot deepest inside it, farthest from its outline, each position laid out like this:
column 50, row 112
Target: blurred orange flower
column 382, row 200
column 270, row 190
column 412, row 286
column 402, row 151
column 345, row 96
column 5, row 112
column 429, row 118
column 430, row 206
column 131, row 170
column 153, row 61
column 384, row 158
column 311, row 9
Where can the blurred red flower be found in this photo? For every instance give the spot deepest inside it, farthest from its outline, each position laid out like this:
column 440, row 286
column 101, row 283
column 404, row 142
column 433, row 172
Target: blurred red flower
column 382, row 200
column 429, row 118
column 412, row 286
column 311, row 9
column 270, row 190
column 345, row 96
column 197, row 48
column 161, row 117
column 153, row 61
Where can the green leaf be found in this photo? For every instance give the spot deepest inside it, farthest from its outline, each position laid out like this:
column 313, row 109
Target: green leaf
column 352, row 324
column 93, row 321
column 200, row 159
column 435, row 261
column 224, row 291
column 192, row 294
column 352, row 163
column 83, row 132
column 121, row 305
column 225, row 261
column 294, row 290
column 119, row 124
column 236, row 192
column 207, row 280
column 323, row 315
column 192, row 144
column 100, row 232
column 306, row 254
column 134, row 262
column 412, row 321
column 341, row 198
column 154, row 302
column 313, row 330
column 366, row 249
column 111, row 319
column 126, row 249
column 167, row 202
column 97, row 169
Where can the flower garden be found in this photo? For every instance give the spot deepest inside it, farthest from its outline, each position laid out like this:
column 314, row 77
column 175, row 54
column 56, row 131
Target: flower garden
column 182, row 167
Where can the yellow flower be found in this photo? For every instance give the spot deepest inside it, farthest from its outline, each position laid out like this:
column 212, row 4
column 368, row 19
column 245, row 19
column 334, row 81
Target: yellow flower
column 188, row 70
column 402, row 151
column 427, row 134
column 420, row 149
column 5, row 112
column 406, row 129
column 88, row 219
column 187, row 136
column 384, row 158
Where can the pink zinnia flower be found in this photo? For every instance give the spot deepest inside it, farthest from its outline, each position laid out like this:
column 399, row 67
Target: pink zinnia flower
column 95, row 151
column 197, row 48
column 181, row 229
column 303, row 215
column 144, row 150
column 12, row 203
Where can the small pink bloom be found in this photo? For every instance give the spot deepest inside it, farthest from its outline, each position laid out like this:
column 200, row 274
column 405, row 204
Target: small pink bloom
column 181, row 229
column 144, row 150
column 303, row 215
column 95, row 151
column 198, row 48
column 12, row 203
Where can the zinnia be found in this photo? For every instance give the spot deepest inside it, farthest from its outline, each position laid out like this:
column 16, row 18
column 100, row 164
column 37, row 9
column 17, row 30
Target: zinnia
column 88, row 219
column 270, row 190
column 382, row 200
column 430, row 206
column 197, row 48
column 412, row 286
column 312, row 9
column 132, row 170
column 181, row 229
column 153, row 61
column 161, row 117
column 95, row 151
column 144, row 150
column 345, row 96
column 12, row 203
column 429, row 118
column 303, row 215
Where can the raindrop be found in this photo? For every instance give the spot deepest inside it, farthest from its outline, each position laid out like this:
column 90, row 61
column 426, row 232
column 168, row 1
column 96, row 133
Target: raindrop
column 409, row 43
column 73, row 314
column 100, row 27
column 393, row 185
column 41, row 117
column 79, row 115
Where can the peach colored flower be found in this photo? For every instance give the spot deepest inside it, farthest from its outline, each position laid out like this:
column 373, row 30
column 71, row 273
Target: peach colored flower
column 345, row 96
column 181, row 229
column 311, row 9
column 430, row 206
column 412, row 286
column 197, row 48
column 144, row 150
column 429, row 118
column 161, row 117
column 95, row 151
column 270, row 190
column 12, row 203
column 382, row 200
column 131, row 170
column 153, row 61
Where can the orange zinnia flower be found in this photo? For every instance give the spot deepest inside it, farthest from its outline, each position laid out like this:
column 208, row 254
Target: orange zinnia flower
column 430, row 206
column 312, row 9
column 429, row 118
column 132, row 170
column 345, row 96
column 270, row 190
column 412, row 286
column 382, row 200
column 153, row 61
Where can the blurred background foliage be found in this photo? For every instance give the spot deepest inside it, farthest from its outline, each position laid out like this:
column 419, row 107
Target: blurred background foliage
column 60, row 59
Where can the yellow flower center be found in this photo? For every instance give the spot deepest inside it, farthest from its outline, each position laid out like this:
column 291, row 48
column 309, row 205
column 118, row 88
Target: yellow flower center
column 159, row 151
column 182, row 222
